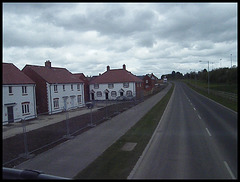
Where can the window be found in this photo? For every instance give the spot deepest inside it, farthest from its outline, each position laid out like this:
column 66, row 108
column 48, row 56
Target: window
column 110, row 85
column 129, row 93
column 78, row 87
column 55, row 88
column 146, row 81
column 63, row 87
column 72, row 87
column 79, row 99
column 125, row 85
column 10, row 90
column 24, row 90
column 99, row 94
column 96, row 86
column 114, row 94
column 25, row 108
column 56, row 103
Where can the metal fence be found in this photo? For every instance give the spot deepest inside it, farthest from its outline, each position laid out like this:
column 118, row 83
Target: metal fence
column 30, row 142
column 227, row 95
column 60, row 127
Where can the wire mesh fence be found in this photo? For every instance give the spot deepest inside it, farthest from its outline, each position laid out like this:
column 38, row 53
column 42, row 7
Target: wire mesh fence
column 46, row 131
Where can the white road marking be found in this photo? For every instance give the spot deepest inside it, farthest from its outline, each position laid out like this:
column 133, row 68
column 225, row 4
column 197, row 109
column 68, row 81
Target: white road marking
column 208, row 132
column 229, row 170
column 199, row 116
column 194, row 108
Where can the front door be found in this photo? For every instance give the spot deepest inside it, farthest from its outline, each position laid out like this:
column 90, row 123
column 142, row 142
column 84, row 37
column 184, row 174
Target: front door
column 65, row 103
column 106, row 94
column 92, row 96
column 10, row 114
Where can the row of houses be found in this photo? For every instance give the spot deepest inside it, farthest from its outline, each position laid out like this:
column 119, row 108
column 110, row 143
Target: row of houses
column 46, row 89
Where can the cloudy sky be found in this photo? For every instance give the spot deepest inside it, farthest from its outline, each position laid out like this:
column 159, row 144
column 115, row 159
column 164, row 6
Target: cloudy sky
column 148, row 37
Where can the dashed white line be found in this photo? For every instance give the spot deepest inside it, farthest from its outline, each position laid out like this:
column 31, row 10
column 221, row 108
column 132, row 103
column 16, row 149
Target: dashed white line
column 208, row 132
column 199, row 116
column 229, row 170
column 194, row 109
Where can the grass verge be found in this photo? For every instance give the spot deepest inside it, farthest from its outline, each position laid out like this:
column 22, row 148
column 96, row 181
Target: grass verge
column 221, row 100
column 115, row 163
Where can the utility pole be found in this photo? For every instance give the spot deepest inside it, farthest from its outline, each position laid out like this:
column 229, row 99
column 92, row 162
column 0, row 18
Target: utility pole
column 231, row 60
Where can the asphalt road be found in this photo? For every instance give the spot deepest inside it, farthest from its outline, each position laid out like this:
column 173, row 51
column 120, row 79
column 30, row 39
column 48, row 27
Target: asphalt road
column 195, row 139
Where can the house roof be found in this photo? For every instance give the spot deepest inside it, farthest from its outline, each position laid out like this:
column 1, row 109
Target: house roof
column 12, row 75
column 54, row 74
column 116, row 76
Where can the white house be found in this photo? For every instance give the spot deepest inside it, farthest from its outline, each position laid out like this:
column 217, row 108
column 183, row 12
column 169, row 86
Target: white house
column 18, row 95
column 114, row 83
column 57, row 89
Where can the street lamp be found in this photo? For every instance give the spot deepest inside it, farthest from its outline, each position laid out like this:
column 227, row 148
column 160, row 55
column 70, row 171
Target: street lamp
column 208, row 73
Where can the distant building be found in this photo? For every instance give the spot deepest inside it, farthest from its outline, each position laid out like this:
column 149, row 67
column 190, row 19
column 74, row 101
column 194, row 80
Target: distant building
column 114, row 83
column 56, row 88
column 18, row 95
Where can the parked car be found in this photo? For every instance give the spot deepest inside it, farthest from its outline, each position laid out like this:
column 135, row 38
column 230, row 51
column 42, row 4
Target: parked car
column 126, row 98
column 121, row 98
column 130, row 97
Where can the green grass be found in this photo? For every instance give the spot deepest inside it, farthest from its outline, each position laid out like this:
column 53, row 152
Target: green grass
column 117, row 164
column 220, row 87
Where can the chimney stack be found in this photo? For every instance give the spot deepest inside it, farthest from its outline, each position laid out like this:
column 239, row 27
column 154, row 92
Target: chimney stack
column 48, row 64
column 108, row 68
column 124, row 66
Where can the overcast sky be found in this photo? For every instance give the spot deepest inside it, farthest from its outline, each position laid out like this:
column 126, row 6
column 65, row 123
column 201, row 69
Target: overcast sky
column 148, row 37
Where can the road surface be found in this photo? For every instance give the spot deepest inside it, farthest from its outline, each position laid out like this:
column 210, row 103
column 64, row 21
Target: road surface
column 195, row 139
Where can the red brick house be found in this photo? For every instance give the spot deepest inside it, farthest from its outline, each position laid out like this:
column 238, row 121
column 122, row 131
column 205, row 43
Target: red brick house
column 114, row 83
column 149, row 81
column 56, row 88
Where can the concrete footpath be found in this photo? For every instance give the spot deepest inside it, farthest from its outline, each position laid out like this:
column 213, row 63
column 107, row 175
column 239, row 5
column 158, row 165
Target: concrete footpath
column 72, row 156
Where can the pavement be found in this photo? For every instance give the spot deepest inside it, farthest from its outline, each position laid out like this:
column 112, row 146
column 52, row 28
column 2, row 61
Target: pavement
column 69, row 158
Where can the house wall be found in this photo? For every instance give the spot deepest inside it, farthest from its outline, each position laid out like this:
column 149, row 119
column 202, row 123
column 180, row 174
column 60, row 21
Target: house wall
column 41, row 90
column 117, row 87
column 66, row 99
column 16, row 99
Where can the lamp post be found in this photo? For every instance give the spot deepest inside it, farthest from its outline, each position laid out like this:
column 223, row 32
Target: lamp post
column 208, row 73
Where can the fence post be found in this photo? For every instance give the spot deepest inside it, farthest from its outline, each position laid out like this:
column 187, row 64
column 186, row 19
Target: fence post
column 25, row 155
column 68, row 135
column 91, row 124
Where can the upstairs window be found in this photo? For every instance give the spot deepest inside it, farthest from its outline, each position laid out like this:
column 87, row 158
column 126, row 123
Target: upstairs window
column 110, row 85
column 24, row 90
column 55, row 88
column 72, row 87
column 63, row 87
column 78, row 87
column 96, row 86
column 10, row 90
column 125, row 85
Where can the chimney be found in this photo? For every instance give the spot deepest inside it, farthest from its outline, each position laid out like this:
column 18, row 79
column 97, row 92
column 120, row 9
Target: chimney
column 108, row 68
column 124, row 66
column 48, row 64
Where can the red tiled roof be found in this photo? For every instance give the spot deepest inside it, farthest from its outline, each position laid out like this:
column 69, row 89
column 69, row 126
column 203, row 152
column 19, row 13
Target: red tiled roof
column 12, row 75
column 54, row 74
column 116, row 76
